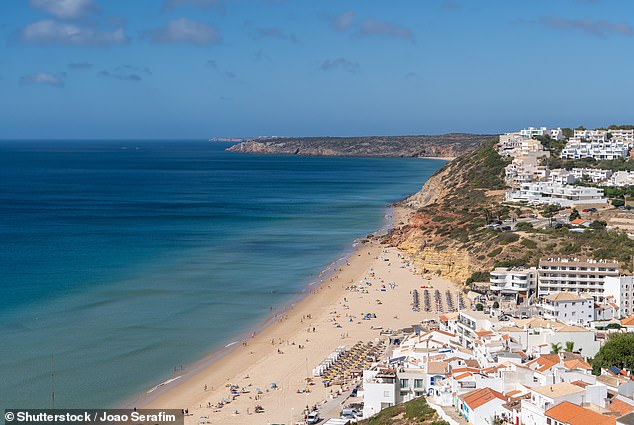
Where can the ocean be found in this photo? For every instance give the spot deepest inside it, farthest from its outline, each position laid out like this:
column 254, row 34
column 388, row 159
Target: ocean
column 124, row 262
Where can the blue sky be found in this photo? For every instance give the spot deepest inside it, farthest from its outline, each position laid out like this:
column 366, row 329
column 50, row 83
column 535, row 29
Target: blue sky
column 203, row 68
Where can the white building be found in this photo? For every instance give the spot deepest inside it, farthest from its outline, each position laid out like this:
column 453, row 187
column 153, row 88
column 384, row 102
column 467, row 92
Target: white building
column 622, row 178
column 621, row 288
column 515, row 281
column 557, row 134
column 568, row 307
column 532, row 132
column 561, row 176
column 624, row 135
column 576, row 149
column 592, row 135
column 537, row 334
column 545, row 397
column 379, row 390
column 539, row 193
column 595, row 175
column 584, row 277
column 481, row 406
column 470, row 323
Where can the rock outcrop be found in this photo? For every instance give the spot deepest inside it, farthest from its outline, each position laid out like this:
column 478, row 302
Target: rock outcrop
column 446, row 146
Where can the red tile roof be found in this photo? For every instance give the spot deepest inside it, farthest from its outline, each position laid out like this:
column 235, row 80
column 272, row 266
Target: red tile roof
column 572, row 414
column 479, row 397
column 621, row 407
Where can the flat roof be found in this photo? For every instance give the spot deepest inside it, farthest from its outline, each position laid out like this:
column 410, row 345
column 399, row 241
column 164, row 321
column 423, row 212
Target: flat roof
column 558, row 390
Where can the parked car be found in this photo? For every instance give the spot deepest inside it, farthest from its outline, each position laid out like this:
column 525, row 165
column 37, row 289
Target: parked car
column 313, row 418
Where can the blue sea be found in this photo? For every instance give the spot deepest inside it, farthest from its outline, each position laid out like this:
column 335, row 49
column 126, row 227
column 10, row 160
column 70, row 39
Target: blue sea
column 122, row 262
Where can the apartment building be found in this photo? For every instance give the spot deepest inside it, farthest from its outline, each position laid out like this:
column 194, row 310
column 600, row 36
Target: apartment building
column 592, row 135
column 621, row 288
column 546, row 397
column 513, row 281
column 584, row 277
column 625, row 135
column 608, row 150
column 539, row 193
column 561, row 176
column 622, row 178
column 595, row 175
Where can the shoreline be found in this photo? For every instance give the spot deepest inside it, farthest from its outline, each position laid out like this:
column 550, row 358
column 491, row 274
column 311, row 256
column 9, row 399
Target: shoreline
column 216, row 355
column 271, row 368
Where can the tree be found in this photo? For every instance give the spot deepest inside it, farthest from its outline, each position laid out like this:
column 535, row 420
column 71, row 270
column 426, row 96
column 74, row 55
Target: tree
column 598, row 225
column 617, row 351
column 570, row 346
column 555, row 348
column 496, row 305
column 479, row 307
column 574, row 214
column 616, row 202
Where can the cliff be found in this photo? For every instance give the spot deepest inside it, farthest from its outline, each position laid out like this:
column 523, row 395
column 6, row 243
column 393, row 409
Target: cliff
column 447, row 234
column 447, row 146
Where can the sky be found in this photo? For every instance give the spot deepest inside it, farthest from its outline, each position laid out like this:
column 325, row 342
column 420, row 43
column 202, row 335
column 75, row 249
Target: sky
column 194, row 69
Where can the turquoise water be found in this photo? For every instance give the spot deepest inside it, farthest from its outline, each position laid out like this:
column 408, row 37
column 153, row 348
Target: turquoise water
column 122, row 261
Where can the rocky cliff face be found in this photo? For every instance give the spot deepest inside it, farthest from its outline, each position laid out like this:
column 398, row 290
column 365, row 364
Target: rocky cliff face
column 446, row 146
column 445, row 234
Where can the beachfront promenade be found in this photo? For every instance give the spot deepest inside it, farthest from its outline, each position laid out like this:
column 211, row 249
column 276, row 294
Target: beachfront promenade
column 271, row 370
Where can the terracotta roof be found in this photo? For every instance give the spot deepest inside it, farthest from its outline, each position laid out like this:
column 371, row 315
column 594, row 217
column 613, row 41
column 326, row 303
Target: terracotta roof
column 438, row 367
column 572, row 414
column 462, row 375
column 628, row 321
column 479, row 397
column 580, row 384
column 621, row 407
column 483, row 333
column 578, row 221
column 577, row 364
column 472, row 363
column 558, row 390
column 513, row 393
column 544, row 362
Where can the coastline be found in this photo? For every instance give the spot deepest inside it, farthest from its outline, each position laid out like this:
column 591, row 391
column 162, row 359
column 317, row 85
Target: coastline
column 217, row 355
column 285, row 351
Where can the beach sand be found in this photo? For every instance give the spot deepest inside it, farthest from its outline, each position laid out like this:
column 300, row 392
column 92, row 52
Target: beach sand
column 274, row 356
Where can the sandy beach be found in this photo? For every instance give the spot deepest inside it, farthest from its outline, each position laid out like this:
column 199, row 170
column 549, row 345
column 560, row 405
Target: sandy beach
column 270, row 368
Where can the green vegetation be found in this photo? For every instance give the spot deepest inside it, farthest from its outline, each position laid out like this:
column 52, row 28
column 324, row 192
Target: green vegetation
column 613, row 326
column 413, row 412
column 496, row 305
column 617, row 351
column 570, row 346
column 555, row 348
column 479, row 307
column 524, row 227
column 574, row 215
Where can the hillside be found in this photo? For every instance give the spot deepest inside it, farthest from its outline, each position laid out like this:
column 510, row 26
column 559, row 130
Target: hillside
column 447, row 234
column 446, row 145
column 413, row 412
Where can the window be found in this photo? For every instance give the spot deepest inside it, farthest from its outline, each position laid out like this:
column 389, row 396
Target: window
column 404, row 383
column 418, row 383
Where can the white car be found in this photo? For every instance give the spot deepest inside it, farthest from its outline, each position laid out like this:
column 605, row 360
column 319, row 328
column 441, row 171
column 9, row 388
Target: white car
column 313, row 418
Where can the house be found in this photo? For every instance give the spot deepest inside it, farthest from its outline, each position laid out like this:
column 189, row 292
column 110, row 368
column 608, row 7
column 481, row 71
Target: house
column 481, row 406
column 618, row 384
column 621, row 288
column 567, row 413
column 628, row 323
column 568, row 307
column 545, row 397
